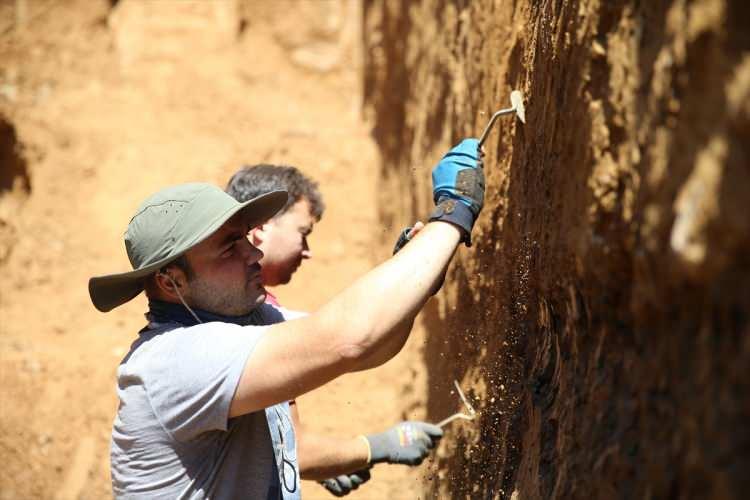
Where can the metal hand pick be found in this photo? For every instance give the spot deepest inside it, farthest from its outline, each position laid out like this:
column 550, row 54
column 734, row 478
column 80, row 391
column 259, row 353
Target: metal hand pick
column 516, row 102
column 472, row 413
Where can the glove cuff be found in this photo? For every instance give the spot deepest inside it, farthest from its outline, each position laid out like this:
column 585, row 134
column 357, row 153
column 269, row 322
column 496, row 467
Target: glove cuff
column 457, row 213
column 378, row 444
column 369, row 448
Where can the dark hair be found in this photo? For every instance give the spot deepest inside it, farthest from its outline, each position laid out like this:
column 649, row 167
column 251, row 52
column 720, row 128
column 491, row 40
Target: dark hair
column 182, row 264
column 255, row 180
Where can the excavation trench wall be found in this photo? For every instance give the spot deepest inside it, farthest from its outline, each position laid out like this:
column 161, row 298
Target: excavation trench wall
column 601, row 319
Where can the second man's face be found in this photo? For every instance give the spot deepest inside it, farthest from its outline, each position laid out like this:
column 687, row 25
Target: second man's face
column 284, row 243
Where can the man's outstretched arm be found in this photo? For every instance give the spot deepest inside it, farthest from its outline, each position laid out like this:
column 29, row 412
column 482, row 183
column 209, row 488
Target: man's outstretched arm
column 342, row 465
column 322, row 456
column 347, row 334
column 406, row 443
column 374, row 314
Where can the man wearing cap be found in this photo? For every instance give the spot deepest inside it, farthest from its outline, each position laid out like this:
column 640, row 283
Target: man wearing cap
column 204, row 390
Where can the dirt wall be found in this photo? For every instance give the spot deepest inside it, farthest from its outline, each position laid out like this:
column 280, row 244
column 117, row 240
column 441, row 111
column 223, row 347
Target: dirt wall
column 602, row 319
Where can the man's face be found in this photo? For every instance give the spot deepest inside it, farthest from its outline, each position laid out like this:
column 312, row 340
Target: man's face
column 283, row 241
column 226, row 272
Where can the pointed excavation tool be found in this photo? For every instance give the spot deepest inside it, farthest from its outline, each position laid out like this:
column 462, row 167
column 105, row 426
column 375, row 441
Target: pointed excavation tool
column 516, row 101
column 470, row 414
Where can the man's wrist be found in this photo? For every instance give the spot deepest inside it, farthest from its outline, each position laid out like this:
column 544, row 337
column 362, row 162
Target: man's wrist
column 369, row 449
column 457, row 213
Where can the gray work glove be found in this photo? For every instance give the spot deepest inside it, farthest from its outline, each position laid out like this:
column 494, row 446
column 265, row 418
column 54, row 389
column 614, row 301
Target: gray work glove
column 343, row 484
column 406, row 443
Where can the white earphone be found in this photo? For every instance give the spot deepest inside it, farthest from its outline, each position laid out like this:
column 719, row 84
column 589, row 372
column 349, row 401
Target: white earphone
column 179, row 295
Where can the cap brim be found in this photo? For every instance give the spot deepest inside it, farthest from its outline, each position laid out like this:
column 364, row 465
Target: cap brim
column 110, row 291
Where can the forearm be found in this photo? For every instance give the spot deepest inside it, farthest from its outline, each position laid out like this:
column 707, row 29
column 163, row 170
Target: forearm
column 388, row 349
column 322, row 457
column 370, row 321
column 381, row 306
column 361, row 328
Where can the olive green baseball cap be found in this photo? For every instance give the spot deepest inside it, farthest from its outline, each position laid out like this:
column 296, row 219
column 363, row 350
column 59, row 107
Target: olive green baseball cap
column 168, row 224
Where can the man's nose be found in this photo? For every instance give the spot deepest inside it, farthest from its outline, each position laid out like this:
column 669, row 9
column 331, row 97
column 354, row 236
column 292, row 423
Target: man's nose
column 252, row 253
column 306, row 252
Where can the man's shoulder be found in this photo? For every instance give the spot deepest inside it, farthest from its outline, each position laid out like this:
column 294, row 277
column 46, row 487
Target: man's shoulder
column 161, row 344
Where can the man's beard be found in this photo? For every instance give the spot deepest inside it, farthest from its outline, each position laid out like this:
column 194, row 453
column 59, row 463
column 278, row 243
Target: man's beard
column 222, row 299
column 286, row 272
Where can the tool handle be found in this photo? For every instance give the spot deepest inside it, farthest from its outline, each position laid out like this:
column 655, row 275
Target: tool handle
column 492, row 121
column 453, row 417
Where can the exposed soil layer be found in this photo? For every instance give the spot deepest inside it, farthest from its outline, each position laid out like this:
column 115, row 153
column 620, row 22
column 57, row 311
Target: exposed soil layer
column 602, row 319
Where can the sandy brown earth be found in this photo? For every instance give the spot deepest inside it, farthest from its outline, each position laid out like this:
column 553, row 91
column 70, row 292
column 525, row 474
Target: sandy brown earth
column 101, row 106
column 603, row 317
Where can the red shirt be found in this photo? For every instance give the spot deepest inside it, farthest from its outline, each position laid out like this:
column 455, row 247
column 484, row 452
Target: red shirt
column 271, row 299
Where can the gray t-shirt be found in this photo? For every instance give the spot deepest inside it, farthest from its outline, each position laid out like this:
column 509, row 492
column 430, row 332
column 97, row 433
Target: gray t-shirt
column 172, row 437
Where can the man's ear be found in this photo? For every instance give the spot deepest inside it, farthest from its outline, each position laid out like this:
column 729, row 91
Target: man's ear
column 167, row 279
column 259, row 234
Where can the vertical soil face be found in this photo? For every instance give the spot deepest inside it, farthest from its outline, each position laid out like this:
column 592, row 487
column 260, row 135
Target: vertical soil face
column 601, row 320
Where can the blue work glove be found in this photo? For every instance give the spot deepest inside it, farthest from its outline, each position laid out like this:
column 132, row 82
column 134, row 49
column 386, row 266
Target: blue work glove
column 342, row 485
column 458, row 187
column 406, row 443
